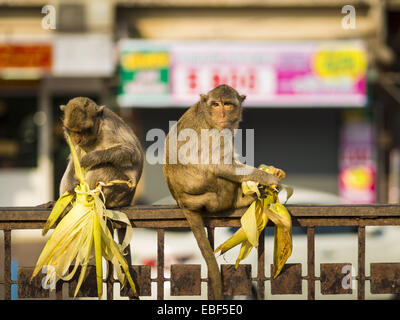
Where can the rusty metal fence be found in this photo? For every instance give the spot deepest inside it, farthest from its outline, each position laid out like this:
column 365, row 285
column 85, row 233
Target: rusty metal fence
column 185, row 279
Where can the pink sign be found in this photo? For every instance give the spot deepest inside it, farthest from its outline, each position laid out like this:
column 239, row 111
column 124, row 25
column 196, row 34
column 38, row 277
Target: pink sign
column 357, row 176
column 268, row 73
column 293, row 74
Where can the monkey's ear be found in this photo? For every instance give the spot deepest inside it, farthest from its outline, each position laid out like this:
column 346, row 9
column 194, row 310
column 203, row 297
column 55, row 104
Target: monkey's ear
column 242, row 97
column 62, row 107
column 203, row 97
column 99, row 110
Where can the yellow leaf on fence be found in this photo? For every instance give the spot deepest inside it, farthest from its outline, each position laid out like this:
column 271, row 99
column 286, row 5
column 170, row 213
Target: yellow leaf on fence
column 58, row 209
column 237, row 238
column 244, row 252
column 249, row 224
column 282, row 237
column 254, row 220
column 282, row 248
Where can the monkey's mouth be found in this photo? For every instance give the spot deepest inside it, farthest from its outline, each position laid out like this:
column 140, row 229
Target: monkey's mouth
column 224, row 122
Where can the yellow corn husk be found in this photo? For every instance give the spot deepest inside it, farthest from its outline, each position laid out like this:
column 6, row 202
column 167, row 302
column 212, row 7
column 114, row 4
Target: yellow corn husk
column 254, row 220
column 82, row 228
column 249, row 224
column 58, row 209
column 282, row 239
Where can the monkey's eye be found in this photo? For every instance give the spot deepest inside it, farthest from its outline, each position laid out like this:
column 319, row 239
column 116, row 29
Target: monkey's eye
column 85, row 131
column 214, row 104
column 79, row 132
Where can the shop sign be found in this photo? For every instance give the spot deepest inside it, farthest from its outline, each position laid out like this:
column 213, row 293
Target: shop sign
column 17, row 59
column 144, row 77
column 270, row 74
column 357, row 163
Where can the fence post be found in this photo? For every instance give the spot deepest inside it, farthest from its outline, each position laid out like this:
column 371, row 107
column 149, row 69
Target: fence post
column 261, row 267
column 160, row 264
column 311, row 262
column 210, row 236
column 7, row 264
column 361, row 263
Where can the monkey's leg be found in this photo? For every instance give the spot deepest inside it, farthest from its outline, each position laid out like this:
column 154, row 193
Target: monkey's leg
column 198, row 202
column 117, row 195
column 243, row 201
column 197, row 225
column 128, row 257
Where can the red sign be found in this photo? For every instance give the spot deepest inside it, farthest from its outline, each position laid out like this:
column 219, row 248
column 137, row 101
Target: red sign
column 25, row 56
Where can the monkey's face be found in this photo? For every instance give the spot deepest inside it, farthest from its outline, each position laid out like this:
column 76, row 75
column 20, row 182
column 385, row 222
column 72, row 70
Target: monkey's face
column 81, row 120
column 223, row 107
column 224, row 112
column 82, row 136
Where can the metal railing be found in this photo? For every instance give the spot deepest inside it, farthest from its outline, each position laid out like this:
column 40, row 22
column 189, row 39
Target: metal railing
column 186, row 279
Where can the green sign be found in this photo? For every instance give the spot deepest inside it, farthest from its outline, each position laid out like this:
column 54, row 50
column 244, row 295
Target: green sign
column 144, row 77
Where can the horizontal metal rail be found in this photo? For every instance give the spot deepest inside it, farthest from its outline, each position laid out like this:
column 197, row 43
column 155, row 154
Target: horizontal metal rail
column 166, row 216
column 172, row 217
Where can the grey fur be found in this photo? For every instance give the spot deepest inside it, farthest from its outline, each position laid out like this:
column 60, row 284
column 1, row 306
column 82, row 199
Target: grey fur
column 114, row 153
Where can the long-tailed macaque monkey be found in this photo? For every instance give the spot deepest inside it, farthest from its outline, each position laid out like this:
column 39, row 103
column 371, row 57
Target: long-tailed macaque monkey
column 107, row 147
column 211, row 185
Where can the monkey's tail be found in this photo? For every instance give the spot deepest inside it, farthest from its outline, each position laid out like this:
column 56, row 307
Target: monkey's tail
column 197, row 225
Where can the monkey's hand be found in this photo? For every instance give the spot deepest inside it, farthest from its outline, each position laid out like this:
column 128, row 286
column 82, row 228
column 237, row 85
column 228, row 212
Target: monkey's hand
column 69, row 187
column 267, row 179
column 242, row 173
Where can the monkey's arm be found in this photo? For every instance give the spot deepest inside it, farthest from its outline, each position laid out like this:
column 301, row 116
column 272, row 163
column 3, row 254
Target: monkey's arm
column 239, row 173
column 68, row 181
column 117, row 155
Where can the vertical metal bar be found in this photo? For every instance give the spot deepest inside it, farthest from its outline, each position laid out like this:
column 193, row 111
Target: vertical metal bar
column 311, row 262
column 7, row 264
column 110, row 281
column 160, row 264
column 59, row 291
column 361, row 263
column 261, row 267
column 210, row 235
column 110, row 268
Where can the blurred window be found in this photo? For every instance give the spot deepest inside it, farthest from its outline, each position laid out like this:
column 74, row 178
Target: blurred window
column 19, row 121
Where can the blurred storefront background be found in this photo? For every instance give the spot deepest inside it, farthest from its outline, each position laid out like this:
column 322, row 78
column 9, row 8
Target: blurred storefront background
column 321, row 80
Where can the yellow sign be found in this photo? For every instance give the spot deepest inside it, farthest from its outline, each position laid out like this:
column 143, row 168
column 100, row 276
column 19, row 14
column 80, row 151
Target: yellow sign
column 359, row 178
column 338, row 63
column 145, row 60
